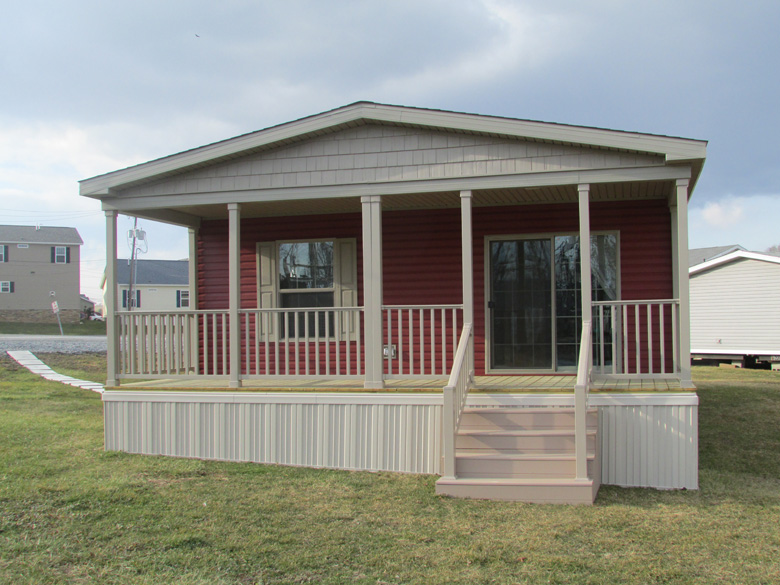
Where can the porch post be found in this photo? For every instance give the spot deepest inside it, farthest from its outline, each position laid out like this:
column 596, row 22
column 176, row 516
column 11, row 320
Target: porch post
column 683, row 284
column 110, row 300
column 466, row 256
column 372, row 290
column 234, row 291
column 581, row 391
column 193, row 287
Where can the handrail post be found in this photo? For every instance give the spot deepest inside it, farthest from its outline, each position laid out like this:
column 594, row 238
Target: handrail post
column 455, row 393
column 581, row 402
column 448, row 432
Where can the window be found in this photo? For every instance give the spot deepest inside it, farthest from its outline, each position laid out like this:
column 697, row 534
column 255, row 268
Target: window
column 182, row 299
column 308, row 274
column 60, row 255
column 3, row 253
column 137, row 299
column 6, row 287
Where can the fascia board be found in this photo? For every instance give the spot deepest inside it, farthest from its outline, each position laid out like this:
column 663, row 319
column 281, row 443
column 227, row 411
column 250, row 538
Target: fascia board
column 739, row 254
column 675, row 149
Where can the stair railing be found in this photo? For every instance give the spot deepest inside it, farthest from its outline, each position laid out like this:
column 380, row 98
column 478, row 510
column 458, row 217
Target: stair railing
column 581, row 390
column 455, row 393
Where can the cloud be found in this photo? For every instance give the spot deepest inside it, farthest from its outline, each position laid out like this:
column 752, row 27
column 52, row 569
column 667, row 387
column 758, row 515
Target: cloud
column 723, row 215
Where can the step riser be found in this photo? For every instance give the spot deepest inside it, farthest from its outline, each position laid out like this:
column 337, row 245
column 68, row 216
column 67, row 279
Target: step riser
column 518, row 469
column 521, row 421
column 522, row 444
column 536, row 494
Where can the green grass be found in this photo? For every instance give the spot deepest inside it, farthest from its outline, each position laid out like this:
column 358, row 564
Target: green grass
column 72, row 513
column 83, row 328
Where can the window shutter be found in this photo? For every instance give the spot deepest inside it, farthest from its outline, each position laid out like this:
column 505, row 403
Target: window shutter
column 178, row 299
column 345, row 279
column 67, row 255
column 53, row 254
column 137, row 299
column 5, row 253
column 12, row 286
column 124, row 299
column 267, row 280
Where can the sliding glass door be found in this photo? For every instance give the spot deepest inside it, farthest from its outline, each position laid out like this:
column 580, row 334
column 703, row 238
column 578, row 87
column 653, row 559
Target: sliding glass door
column 535, row 309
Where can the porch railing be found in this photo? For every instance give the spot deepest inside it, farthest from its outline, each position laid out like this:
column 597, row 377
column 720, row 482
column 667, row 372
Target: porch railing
column 420, row 340
column 637, row 338
column 166, row 343
column 455, row 393
column 324, row 342
column 581, row 391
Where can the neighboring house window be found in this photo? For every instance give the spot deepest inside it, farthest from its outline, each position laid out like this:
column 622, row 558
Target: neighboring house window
column 182, row 299
column 3, row 253
column 137, row 298
column 6, row 287
column 311, row 274
column 60, row 255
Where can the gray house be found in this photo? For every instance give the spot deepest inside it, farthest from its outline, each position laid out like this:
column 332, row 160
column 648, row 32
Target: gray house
column 39, row 265
column 159, row 285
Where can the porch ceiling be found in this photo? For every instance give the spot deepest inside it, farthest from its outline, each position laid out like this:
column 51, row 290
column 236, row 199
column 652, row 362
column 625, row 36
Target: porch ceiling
column 438, row 200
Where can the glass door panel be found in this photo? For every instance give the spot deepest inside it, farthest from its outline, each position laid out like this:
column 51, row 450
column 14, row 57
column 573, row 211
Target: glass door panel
column 521, row 304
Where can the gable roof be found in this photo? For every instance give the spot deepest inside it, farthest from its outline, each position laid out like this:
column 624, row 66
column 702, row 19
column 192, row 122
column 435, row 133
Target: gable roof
column 672, row 148
column 733, row 256
column 22, row 234
column 699, row 255
column 150, row 272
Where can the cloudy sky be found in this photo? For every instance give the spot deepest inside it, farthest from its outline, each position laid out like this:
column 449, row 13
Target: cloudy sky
column 89, row 87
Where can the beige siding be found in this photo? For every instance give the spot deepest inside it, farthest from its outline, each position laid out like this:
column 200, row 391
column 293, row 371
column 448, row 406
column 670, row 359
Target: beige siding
column 376, row 153
column 35, row 276
column 735, row 307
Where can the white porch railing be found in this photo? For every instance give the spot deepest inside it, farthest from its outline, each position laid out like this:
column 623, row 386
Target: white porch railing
column 323, row 343
column 581, row 391
column 166, row 343
column 420, row 340
column 637, row 338
column 455, row 393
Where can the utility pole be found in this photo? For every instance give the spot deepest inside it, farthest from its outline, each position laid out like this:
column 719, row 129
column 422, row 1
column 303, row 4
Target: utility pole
column 135, row 235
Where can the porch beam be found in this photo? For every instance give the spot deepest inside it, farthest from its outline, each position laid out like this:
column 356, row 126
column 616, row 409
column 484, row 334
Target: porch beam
column 110, row 301
column 683, row 283
column 234, row 291
column 128, row 204
column 372, row 290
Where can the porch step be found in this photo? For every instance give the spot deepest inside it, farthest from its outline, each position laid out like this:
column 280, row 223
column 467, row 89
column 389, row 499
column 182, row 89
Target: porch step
column 524, row 454
column 535, row 491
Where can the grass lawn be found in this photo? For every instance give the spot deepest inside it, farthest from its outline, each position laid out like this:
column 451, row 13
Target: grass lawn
column 72, row 513
column 83, row 328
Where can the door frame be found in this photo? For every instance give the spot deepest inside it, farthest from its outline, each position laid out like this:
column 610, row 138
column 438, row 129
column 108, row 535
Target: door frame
column 489, row 370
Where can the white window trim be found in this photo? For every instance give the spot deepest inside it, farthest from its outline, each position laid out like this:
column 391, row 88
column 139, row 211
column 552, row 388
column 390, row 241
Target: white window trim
column 5, row 287
column 2, row 253
column 184, row 303
column 58, row 254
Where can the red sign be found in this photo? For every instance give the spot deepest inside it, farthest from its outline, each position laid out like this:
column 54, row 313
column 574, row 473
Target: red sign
column 55, row 308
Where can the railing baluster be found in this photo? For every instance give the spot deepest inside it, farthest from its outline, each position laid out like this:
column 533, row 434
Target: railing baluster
column 443, row 341
column 225, row 333
column 675, row 354
column 614, row 328
column 649, row 308
column 637, row 336
column 625, row 340
column 661, row 319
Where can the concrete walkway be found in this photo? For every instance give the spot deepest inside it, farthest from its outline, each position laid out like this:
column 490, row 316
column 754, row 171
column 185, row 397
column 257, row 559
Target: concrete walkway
column 36, row 366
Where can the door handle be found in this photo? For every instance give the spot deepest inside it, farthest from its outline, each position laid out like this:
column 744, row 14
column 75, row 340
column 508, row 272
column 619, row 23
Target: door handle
column 491, row 304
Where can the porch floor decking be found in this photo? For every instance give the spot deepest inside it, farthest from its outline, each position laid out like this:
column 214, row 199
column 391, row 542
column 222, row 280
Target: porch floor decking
column 526, row 383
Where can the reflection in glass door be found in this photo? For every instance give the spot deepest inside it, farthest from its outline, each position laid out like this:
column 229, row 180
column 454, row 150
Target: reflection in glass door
column 521, row 305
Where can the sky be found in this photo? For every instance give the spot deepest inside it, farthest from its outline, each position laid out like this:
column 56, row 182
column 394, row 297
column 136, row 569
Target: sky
column 89, row 87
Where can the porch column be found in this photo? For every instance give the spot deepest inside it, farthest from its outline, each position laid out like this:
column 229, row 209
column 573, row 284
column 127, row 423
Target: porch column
column 467, row 260
column 372, row 290
column 581, row 391
column 584, row 199
column 682, row 282
column 234, row 291
column 110, row 301
column 193, row 287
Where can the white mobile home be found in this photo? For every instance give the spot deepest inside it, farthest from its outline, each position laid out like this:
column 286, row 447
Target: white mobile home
column 735, row 307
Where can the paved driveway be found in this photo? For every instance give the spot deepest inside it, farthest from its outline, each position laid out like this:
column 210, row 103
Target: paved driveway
column 53, row 343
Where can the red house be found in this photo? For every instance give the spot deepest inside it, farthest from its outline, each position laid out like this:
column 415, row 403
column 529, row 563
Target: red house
column 401, row 249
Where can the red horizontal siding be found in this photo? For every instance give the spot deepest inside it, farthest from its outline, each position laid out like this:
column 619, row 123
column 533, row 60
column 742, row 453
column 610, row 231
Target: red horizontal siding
column 421, row 250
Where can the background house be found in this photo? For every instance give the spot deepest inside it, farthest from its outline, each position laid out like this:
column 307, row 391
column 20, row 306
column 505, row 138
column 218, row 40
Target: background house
column 160, row 285
column 39, row 265
column 735, row 306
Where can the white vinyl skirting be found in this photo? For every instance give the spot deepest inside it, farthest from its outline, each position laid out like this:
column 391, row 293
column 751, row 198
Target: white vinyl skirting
column 647, row 440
